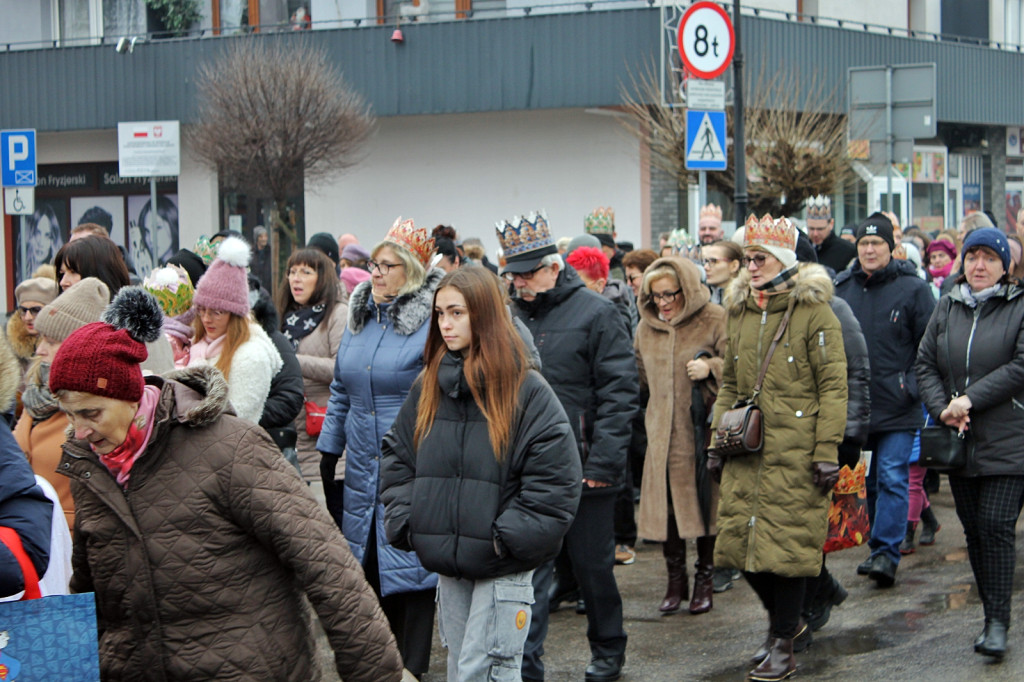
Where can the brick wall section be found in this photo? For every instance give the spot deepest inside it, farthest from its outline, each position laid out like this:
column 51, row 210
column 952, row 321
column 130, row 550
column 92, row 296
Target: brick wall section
column 664, row 204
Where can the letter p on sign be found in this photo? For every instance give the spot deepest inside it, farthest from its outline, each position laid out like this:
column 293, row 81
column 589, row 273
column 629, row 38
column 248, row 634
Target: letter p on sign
column 18, row 148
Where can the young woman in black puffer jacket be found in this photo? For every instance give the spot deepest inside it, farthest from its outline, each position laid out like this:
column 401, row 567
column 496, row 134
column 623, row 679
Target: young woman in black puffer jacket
column 480, row 475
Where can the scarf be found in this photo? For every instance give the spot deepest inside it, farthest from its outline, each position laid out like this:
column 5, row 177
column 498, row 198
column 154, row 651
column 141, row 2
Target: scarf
column 940, row 274
column 975, row 298
column 782, row 282
column 301, row 322
column 204, row 352
column 119, row 461
column 37, row 399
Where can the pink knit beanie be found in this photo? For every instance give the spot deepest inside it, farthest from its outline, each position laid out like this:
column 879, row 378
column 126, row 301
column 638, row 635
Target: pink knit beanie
column 225, row 286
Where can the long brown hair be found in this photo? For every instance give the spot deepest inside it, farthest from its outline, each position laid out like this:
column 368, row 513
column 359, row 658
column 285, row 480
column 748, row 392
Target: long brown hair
column 495, row 361
column 237, row 333
column 327, row 283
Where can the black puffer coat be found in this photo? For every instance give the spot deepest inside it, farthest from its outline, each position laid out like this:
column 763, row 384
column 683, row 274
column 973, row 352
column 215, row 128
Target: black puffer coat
column 451, row 501
column 858, row 376
column 985, row 361
column 588, row 360
column 893, row 306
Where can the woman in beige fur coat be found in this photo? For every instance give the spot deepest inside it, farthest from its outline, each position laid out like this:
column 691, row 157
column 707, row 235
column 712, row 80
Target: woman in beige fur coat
column 677, row 321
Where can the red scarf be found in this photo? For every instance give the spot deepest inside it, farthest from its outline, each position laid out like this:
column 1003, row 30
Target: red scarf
column 119, row 461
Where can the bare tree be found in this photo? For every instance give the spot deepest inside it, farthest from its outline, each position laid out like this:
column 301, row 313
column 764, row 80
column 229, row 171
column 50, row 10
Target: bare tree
column 795, row 148
column 275, row 117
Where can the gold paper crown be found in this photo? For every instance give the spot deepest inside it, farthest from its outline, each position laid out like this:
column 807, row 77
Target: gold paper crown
column 819, row 208
column 711, row 212
column 769, row 232
column 414, row 239
column 521, row 236
column 601, row 221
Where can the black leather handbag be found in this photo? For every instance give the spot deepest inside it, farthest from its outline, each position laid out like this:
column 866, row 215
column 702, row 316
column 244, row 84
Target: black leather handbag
column 943, row 448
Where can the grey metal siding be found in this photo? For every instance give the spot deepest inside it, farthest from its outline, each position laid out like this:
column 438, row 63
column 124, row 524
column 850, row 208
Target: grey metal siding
column 540, row 61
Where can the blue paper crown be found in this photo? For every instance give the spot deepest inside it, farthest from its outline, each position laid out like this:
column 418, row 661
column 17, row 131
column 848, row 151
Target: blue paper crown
column 521, row 235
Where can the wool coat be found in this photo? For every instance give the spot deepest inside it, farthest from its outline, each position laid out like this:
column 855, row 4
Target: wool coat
column 381, row 354
column 42, row 443
column 663, row 348
column 771, row 516
column 316, row 354
column 200, row 562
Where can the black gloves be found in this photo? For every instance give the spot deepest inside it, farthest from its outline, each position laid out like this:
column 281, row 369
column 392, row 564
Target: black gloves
column 328, row 465
column 715, row 465
column 825, row 475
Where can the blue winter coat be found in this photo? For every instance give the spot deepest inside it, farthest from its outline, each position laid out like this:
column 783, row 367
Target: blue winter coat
column 380, row 355
column 24, row 508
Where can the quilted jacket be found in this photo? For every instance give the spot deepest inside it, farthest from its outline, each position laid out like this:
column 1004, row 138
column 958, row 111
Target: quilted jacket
column 381, row 354
column 199, row 564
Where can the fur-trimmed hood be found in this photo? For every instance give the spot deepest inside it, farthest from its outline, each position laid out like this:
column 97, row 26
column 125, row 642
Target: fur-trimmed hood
column 407, row 312
column 198, row 395
column 10, row 376
column 811, row 285
column 695, row 294
column 22, row 343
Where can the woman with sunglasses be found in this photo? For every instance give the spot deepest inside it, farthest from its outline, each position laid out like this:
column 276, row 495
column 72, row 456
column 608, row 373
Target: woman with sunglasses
column 227, row 336
column 721, row 261
column 677, row 324
column 773, row 511
column 380, row 355
column 31, row 295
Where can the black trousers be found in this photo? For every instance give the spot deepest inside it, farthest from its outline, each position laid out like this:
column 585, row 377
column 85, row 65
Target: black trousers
column 410, row 614
column 591, row 546
column 782, row 597
column 988, row 507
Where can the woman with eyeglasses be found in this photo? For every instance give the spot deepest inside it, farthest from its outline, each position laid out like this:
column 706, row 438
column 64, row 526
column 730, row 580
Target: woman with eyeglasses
column 30, row 296
column 380, row 355
column 721, row 261
column 679, row 346
column 773, row 510
column 226, row 335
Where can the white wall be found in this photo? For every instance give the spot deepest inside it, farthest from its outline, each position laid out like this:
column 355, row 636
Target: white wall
column 472, row 170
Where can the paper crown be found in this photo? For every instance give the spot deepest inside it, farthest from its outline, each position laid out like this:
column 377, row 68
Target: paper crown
column 711, row 213
column 525, row 237
column 601, row 221
column 680, row 240
column 205, row 250
column 171, row 288
column 768, row 232
column 819, row 208
column 413, row 239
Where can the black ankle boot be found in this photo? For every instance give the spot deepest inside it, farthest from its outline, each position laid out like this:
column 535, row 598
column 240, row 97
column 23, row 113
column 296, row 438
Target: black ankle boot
column 993, row 640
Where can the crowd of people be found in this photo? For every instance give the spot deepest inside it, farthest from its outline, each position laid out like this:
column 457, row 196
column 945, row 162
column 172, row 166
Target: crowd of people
column 409, row 433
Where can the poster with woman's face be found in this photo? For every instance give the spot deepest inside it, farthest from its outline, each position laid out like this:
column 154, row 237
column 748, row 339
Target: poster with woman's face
column 152, row 235
column 40, row 237
column 106, row 211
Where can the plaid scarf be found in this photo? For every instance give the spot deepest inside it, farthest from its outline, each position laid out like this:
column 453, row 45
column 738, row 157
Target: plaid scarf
column 37, row 399
column 782, row 282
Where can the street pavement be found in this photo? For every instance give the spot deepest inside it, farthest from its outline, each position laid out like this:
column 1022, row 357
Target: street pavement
column 923, row 628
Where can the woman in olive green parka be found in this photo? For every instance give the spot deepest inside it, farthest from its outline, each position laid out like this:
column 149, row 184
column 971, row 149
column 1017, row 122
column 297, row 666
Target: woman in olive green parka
column 773, row 510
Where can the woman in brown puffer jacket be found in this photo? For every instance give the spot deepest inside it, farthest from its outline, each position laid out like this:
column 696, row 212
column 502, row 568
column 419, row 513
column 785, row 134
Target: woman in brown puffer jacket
column 197, row 537
column 677, row 322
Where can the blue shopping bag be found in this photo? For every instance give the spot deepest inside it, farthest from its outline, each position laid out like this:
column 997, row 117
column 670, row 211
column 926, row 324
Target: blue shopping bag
column 48, row 639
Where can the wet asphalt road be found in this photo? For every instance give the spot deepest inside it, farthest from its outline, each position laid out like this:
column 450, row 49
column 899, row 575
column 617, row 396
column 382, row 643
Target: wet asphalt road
column 923, row 628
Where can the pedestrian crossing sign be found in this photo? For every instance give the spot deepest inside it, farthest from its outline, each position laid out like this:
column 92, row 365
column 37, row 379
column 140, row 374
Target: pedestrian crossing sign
column 705, row 140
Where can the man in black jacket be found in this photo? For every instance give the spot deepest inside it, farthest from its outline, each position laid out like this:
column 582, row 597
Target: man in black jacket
column 893, row 306
column 832, row 251
column 588, row 359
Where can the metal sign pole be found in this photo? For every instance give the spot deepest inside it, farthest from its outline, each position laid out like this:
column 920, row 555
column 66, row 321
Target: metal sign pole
column 152, row 208
column 740, row 191
column 889, row 160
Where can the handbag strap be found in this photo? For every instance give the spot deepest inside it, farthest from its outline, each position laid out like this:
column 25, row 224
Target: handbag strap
column 10, row 537
column 949, row 360
column 771, row 349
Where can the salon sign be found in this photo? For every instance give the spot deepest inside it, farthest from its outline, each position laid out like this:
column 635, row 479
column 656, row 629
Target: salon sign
column 148, row 149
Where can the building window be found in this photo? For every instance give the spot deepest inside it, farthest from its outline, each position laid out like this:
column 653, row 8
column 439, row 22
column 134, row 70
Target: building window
column 1013, row 21
column 239, row 16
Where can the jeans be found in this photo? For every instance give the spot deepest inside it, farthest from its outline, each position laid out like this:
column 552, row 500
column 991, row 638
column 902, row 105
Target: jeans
column 483, row 624
column 888, row 488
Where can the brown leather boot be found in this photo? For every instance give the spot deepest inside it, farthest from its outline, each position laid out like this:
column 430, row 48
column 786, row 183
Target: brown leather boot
column 674, row 550
column 779, row 664
column 704, row 577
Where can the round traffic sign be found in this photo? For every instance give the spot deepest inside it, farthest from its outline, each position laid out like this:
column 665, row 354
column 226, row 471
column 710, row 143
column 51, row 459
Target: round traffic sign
column 706, row 40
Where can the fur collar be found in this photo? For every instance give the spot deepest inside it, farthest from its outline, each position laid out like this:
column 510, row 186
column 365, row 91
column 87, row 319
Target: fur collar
column 812, row 286
column 407, row 312
column 22, row 343
column 10, row 376
column 195, row 396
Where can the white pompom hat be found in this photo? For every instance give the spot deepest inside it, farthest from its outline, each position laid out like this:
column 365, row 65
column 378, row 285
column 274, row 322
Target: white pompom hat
column 225, row 285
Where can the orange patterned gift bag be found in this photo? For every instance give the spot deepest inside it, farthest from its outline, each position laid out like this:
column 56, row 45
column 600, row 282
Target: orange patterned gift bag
column 848, row 524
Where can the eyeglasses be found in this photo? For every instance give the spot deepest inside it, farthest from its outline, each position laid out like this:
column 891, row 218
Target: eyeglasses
column 633, row 278
column 757, row 260
column 528, row 275
column 715, row 261
column 383, row 268
column 668, row 296
column 33, row 311
column 208, row 312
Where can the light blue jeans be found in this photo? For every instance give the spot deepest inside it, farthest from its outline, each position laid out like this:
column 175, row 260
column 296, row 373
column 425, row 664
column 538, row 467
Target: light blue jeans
column 888, row 487
column 483, row 624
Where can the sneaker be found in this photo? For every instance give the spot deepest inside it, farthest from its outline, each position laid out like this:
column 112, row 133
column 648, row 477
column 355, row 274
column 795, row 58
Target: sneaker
column 722, row 580
column 624, row 555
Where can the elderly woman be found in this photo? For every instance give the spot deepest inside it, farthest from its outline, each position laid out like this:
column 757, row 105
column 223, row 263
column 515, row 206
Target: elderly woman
column 970, row 370
column 773, row 512
column 677, row 325
column 210, row 561
column 381, row 354
column 30, row 296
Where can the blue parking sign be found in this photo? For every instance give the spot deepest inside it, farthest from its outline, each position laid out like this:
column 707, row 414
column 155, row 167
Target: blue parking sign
column 18, row 157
